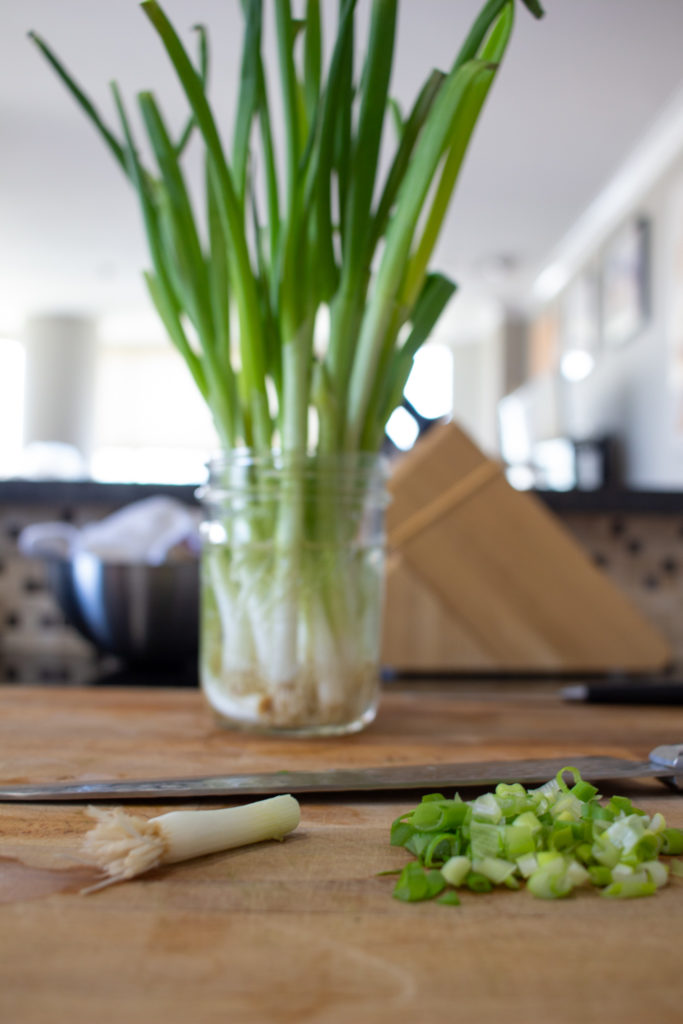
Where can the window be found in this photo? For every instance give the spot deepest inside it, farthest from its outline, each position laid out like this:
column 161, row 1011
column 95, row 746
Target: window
column 150, row 423
column 428, row 395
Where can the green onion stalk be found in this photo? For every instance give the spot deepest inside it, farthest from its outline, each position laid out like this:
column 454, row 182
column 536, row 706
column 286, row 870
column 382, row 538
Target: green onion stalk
column 278, row 245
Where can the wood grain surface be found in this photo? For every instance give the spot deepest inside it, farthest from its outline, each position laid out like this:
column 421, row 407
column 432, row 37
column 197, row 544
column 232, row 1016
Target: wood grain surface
column 306, row 930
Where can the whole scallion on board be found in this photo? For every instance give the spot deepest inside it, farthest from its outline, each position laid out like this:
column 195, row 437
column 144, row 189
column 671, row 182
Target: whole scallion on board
column 554, row 838
column 297, row 288
column 124, row 845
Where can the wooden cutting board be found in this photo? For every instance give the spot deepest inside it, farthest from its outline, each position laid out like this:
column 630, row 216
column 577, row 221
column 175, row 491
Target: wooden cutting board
column 76, row 733
column 306, row 930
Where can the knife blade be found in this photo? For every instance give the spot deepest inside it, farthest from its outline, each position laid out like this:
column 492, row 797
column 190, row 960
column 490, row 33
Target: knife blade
column 665, row 762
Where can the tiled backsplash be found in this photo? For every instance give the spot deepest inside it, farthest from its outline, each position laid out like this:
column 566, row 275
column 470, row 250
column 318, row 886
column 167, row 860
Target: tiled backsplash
column 31, row 622
column 643, row 555
column 641, row 552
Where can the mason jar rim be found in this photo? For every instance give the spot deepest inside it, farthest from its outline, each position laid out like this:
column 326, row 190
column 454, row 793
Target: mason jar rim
column 359, row 471
column 277, row 458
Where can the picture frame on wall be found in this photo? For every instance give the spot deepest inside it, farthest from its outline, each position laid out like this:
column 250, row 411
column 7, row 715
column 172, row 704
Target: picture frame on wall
column 626, row 284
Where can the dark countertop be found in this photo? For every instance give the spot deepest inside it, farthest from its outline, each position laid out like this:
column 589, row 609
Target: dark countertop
column 613, row 501
column 91, row 492
column 87, row 492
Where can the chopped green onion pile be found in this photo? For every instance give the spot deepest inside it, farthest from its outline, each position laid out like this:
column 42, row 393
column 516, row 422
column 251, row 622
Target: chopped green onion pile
column 555, row 838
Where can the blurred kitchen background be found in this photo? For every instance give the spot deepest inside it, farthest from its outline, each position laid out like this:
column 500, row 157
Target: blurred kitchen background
column 561, row 354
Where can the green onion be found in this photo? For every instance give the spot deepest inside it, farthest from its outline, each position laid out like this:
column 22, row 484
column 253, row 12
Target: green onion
column 478, row 882
column 564, row 838
column 550, row 880
column 599, row 875
column 124, row 846
column 527, row 864
column 456, row 870
column 631, row 887
column 278, row 243
column 518, row 841
column 441, row 848
column 369, row 266
column 673, row 840
column 494, row 868
column 415, row 883
column 657, row 871
column 449, row 898
column 487, row 808
column 485, row 840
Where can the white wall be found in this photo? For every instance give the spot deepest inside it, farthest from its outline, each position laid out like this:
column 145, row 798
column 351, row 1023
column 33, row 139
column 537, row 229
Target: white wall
column 631, row 392
column 478, row 374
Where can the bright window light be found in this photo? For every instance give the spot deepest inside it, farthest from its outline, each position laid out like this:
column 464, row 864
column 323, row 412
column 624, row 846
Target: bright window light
column 515, row 437
column 150, row 424
column 576, row 365
column 145, row 398
column 430, row 385
column 520, row 477
column 12, row 370
column 403, row 429
column 555, row 464
column 148, row 465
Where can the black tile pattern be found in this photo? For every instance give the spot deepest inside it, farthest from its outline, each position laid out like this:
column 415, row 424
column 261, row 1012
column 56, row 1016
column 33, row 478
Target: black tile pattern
column 30, row 618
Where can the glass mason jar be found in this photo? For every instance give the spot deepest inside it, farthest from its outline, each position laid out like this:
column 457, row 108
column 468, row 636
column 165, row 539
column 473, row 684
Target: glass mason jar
column 291, row 594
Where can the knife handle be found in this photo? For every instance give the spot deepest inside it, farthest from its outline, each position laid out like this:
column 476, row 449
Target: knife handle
column 669, row 755
column 628, row 692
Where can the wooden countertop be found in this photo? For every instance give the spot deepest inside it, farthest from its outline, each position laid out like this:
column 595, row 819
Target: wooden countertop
column 306, row 931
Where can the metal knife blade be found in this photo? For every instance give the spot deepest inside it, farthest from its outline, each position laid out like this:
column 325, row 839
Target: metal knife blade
column 665, row 762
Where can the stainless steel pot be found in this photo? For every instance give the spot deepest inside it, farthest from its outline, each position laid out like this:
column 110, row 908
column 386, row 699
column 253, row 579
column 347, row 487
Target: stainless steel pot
column 142, row 613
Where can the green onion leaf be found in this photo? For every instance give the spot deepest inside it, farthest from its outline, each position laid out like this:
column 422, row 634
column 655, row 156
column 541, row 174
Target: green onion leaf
column 450, row 898
column 631, row 888
column 416, row 884
column 401, row 832
column 673, row 840
column 456, row 870
column 83, row 101
column 477, row 882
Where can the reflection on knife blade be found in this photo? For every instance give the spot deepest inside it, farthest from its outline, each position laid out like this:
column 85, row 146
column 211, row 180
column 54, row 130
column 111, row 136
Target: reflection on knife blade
column 375, row 779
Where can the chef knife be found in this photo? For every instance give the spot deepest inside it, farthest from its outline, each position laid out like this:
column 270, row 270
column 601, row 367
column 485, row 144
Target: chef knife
column 665, row 762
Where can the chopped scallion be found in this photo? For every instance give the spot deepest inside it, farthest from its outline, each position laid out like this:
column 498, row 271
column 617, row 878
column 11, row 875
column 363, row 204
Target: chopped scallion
column 673, row 840
column 555, row 838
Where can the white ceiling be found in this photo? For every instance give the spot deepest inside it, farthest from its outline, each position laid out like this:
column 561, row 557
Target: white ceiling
column 577, row 92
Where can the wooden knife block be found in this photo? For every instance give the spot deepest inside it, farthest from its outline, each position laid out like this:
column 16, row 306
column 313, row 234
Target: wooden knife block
column 484, row 578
